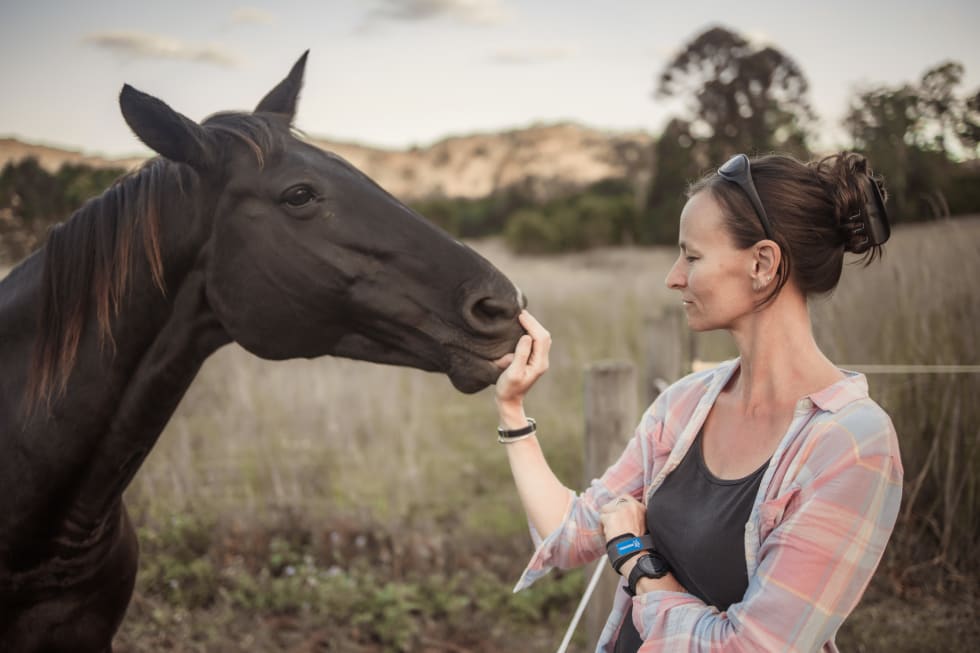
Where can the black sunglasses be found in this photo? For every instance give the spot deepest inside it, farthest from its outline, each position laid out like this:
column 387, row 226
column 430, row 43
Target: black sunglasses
column 738, row 171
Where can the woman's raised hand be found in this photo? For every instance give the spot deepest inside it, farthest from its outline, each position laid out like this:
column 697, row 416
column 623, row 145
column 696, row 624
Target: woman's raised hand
column 623, row 515
column 528, row 362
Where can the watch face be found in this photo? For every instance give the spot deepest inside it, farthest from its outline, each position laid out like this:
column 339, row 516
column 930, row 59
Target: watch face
column 652, row 566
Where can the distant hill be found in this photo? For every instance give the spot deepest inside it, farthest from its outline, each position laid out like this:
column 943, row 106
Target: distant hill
column 545, row 160
column 52, row 158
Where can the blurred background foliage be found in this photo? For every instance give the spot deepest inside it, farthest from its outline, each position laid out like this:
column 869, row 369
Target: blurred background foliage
column 922, row 136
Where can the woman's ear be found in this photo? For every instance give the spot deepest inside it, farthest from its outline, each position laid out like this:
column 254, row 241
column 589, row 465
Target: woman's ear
column 766, row 257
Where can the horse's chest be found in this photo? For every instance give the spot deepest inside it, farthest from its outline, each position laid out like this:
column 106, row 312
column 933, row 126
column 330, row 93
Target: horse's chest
column 59, row 607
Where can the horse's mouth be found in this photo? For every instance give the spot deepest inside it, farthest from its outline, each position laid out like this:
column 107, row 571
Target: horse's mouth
column 469, row 371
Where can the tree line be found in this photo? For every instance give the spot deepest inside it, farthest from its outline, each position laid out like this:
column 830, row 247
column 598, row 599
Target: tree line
column 921, row 136
column 32, row 200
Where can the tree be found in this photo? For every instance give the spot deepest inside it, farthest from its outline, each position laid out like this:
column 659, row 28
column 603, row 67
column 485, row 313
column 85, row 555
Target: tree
column 953, row 123
column 676, row 167
column 33, row 199
column 913, row 135
column 741, row 97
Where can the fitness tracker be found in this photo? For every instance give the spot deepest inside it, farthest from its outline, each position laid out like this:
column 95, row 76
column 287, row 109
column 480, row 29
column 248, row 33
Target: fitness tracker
column 622, row 548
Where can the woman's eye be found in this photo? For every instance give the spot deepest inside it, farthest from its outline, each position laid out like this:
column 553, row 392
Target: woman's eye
column 691, row 259
column 298, row 196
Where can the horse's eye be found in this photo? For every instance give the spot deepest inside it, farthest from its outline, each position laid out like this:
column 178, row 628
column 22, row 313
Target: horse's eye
column 298, row 196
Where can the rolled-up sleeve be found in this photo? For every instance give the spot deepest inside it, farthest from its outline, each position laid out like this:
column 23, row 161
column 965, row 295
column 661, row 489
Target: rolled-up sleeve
column 579, row 539
column 822, row 539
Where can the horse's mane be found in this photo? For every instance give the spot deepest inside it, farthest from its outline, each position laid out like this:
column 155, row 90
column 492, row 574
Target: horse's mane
column 89, row 259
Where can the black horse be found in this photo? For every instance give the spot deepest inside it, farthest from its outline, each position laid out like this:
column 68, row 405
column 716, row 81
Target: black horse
column 238, row 232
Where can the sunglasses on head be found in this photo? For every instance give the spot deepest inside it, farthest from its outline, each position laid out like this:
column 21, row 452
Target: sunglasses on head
column 873, row 225
column 738, row 171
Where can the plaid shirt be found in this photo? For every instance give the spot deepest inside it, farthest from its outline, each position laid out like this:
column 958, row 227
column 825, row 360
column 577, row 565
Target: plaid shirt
column 819, row 524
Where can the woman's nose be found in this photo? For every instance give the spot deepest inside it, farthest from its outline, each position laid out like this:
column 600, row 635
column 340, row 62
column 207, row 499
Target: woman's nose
column 675, row 280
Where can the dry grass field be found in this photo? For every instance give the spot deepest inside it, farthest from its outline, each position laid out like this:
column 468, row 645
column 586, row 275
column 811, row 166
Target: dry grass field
column 321, row 505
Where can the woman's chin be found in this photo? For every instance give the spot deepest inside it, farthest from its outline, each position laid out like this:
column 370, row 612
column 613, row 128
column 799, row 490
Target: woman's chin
column 695, row 323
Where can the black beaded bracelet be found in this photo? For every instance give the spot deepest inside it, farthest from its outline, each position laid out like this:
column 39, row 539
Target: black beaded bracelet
column 513, row 435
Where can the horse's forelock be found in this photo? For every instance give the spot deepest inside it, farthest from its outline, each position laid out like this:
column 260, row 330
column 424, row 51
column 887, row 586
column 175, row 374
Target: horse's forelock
column 257, row 132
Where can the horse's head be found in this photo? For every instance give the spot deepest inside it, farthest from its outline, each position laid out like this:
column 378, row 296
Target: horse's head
column 307, row 256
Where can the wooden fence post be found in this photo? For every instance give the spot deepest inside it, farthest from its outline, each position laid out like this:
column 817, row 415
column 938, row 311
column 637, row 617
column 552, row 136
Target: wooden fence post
column 672, row 347
column 610, row 418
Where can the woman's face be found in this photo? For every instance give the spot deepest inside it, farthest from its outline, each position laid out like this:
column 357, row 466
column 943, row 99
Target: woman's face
column 713, row 277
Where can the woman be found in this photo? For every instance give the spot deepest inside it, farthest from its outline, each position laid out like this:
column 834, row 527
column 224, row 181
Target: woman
column 767, row 486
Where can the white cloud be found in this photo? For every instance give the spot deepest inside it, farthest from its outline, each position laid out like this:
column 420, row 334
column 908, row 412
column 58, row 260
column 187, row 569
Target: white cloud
column 152, row 46
column 252, row 16
column 470, row 12
column 531, row 55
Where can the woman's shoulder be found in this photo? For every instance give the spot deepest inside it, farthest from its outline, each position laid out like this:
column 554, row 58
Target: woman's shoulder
column 857, row 430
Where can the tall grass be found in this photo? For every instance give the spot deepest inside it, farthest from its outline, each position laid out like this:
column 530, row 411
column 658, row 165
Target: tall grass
column 922, row 306
column 335, row 437
column 364, row 461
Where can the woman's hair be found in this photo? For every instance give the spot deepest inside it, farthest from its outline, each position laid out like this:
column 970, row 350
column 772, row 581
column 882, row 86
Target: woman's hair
column 817, row 210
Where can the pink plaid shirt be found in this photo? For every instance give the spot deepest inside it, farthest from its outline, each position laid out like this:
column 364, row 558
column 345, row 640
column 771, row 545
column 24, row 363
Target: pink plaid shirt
column 824, row 512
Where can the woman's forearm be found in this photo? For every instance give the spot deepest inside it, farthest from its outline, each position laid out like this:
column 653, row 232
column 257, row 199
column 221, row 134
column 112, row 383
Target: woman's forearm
column 545, row 498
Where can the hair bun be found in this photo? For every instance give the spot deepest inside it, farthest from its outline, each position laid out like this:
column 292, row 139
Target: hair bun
column 858, row 199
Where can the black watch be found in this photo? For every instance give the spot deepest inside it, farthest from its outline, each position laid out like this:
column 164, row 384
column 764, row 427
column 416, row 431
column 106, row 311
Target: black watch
column 650, row 565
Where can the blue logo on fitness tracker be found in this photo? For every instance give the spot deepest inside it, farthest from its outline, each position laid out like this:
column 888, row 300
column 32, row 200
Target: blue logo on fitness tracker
column 628, row 546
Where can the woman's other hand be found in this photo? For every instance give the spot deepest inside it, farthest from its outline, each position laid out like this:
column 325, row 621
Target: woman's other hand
column 525, row 366
column 623, row 515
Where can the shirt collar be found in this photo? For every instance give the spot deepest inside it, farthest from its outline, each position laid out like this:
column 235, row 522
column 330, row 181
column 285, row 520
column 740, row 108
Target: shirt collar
column 853, row 387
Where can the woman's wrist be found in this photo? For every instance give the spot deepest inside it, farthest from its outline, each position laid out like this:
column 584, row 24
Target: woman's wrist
column 511, row 414
column 646, row 584
column 666, row 583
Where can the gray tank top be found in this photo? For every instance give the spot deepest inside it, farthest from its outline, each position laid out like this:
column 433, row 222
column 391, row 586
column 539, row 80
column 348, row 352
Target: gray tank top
column 697, row 522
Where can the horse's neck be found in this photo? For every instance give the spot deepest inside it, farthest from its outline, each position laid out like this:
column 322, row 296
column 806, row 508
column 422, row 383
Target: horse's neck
column 116, row 405
column 154, row 388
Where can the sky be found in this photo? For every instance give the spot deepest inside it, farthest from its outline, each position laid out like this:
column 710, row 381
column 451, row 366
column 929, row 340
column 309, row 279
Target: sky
column 400, row 73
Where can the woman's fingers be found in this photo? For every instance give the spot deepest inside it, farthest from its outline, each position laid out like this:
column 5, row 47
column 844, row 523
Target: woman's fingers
column 504, row 361
column 523, row 351
column 538, row 361
column 531, row 325
column 528, row 362
column 619, row 503
column 623, row 514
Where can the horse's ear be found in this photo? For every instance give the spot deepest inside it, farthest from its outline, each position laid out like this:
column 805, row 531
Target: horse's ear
column 166, row 132
column 282, row 99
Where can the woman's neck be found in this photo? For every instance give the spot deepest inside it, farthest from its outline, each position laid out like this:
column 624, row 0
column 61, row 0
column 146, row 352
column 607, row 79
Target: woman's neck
column 780, row 360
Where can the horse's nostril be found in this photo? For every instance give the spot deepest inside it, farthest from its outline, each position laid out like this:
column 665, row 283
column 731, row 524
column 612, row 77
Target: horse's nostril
column 490, row 315
column 491, row 310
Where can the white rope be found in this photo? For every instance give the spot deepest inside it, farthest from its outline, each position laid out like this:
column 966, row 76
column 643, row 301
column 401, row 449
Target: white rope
column 584, row 602
column 914, row 369
column 699, row 365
